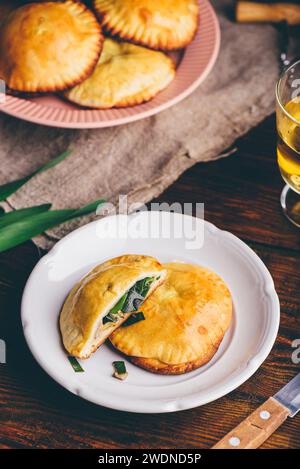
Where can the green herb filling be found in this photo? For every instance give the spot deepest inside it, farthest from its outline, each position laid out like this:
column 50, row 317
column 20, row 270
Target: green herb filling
column 120, row 371
column 75, row 365
column 130, row 301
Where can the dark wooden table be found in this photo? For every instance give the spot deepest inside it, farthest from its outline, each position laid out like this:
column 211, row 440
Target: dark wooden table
column 241, row 194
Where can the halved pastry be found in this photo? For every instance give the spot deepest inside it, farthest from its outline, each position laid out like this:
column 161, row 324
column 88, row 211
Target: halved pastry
column 185, row 321
column 49, row 46
column 159, row 24
column 125, row 75
column 104, row 299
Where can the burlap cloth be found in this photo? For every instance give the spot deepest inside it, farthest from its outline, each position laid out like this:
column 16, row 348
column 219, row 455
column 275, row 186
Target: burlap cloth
column 143, row 158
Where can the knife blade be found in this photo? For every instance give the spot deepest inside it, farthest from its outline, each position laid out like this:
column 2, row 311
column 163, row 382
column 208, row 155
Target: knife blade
column 257, row 428
column 289, row 396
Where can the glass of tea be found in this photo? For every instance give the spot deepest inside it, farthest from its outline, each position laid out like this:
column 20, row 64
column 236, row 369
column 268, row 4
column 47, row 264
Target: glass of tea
column 288, row 147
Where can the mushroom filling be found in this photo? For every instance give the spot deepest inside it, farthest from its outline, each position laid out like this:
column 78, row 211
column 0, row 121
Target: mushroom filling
column 130, row 301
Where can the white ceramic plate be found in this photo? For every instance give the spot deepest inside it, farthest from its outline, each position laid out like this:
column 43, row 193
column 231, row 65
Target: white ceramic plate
column 245, row 346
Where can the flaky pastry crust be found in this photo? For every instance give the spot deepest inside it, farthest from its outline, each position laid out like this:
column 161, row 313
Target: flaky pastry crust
column 158, row 24
column 93, row 297
column 185, row 321
column 49, row 46
column 125, row 75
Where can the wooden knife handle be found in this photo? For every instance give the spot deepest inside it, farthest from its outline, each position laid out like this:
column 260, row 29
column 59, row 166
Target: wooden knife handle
column 252, row 12
column 256, row 428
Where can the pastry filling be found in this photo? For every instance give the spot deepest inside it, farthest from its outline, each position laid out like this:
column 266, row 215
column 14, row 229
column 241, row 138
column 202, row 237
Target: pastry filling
column 130, row 301
column 120, row 371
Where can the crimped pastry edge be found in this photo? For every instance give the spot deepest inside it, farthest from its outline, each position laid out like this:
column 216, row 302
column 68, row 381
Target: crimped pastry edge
column 156, row 366
column 28, row 92
column 130, row 102
column 117, row 34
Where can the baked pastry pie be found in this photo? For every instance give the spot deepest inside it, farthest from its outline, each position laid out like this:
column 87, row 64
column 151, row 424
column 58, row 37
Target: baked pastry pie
column 159, row 24
column 125, row 75
column 104, row 299
column 185, row 321
column 49, row 46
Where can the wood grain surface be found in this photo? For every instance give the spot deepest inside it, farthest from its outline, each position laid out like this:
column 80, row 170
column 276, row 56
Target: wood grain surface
column 241, row 194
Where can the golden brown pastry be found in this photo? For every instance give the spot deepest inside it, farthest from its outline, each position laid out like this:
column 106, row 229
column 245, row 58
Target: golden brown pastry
column 125, row 75
column 159, row 24
column 185, row 321
column 49, row 46
column 104, row 299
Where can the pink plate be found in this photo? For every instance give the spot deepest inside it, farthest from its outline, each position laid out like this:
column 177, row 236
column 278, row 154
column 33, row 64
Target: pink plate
column 195, row 64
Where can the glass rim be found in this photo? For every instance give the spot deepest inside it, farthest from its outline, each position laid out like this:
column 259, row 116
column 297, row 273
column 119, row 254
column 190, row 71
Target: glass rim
column 278, row 100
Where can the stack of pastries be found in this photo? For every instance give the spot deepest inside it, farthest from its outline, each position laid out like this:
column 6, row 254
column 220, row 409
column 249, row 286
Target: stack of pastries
column 99, row 54
column 185, row 309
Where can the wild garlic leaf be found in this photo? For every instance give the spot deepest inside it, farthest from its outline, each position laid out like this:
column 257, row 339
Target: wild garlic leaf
column 17, row 215
column 11, row 187
column 134, row 318
column 24, row 229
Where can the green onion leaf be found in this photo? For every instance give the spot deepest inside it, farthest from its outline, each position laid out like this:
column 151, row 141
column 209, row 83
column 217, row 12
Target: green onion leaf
column 75, row 365
column 9, row 188
column 130, row 301
column 92, row 207
column 17, row 215
column 137, row 294
column 112, row 316
column 134, row 318
column 143, row 286
column 133, row 301
column 26, row 228
column 120, row 370
column 120, row 367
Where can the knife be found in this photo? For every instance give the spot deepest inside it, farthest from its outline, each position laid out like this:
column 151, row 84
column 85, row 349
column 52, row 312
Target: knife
column 257, row 428
column 248, row 12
